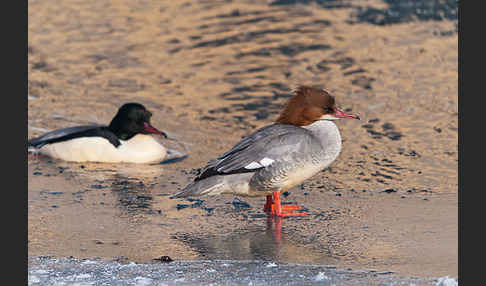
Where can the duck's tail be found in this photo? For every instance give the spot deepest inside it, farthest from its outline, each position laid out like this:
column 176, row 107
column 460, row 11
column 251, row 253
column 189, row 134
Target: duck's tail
column 216, row 185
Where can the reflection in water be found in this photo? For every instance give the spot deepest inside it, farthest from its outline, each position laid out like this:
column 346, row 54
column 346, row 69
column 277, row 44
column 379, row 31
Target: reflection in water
column 396, row 11
column 268, row 244
column 399, row 11
column 132, row 195
column 131, row 184
column 328, row 4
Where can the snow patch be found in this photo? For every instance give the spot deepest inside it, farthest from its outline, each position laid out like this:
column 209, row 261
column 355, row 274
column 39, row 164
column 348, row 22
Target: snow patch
column 131, row 264
column 33, row 279
column 40, row 271
column 89, row 262
column 271, row 264
column 321, row 276
column 142, row 281
column 446, row 281
column 83, row 276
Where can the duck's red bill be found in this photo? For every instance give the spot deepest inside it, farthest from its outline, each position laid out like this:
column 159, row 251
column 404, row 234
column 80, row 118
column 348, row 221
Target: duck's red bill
column 150, row 129
column 341, row 114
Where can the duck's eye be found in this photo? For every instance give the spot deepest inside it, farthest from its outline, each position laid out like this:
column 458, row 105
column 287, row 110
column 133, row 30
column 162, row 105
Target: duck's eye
column 328, row 109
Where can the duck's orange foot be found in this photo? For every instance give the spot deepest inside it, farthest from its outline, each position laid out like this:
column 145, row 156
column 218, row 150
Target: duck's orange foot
column 288, row 210
column 276, row 208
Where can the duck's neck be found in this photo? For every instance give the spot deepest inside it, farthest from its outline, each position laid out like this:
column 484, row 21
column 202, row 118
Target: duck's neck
column 328, row 133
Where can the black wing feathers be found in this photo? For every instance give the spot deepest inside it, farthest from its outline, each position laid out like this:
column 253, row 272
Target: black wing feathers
column 75, row 132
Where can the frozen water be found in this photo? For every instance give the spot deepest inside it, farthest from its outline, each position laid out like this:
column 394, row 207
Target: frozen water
column 143, row 281
column 72, row 271
column 271, row 264
column 446, row 281
column 321, row 276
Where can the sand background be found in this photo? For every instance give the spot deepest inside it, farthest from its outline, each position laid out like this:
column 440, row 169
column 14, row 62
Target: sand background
column 214, row 71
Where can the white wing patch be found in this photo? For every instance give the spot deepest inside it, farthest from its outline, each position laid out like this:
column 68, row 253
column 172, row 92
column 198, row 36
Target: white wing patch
column 266, row 161
column 263, row 163
column 253, row 165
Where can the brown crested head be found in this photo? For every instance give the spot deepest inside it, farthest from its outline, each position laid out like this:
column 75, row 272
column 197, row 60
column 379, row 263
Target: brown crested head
column 309, row 105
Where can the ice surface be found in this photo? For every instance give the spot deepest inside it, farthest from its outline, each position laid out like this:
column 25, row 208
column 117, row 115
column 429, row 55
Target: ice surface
column 72, row 271
column 321, row 276
column 143, row 281
column 271, row 264
column 446, row 281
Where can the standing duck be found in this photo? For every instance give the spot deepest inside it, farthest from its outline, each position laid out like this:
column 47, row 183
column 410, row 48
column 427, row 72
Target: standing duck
column 303, row 141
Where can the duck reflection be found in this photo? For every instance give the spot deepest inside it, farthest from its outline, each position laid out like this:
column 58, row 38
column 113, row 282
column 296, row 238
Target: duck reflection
column 268, row 244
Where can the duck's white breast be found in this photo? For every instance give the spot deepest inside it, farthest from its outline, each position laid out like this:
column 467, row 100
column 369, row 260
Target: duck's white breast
column 139, row 149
